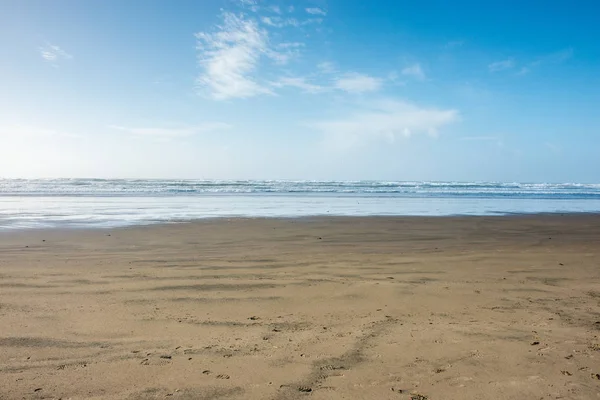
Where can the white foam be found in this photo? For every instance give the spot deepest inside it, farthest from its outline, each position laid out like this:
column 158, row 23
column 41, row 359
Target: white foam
column 65, row 211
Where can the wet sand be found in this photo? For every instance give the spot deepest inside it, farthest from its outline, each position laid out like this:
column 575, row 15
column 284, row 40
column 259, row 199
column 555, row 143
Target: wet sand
column 319, row 308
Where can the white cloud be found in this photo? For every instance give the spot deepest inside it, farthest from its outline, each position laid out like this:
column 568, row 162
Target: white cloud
column 229, row 58
column 358, row 83
column 553, row 58
column 171, row 133
column 291, row 9
column 48, row 55
column 316, row 11
column 326, row 67
column 52, row 53
column 275, row 9
column 252, row 5
column 299, row 83
column 272, row 21
column 290, row 45
column 501, row 65
column 278, row 22
column 295, row 22
column 386, row 119
column 414, row 71
column 285, row 52
column 282, row 57
column 557, row 57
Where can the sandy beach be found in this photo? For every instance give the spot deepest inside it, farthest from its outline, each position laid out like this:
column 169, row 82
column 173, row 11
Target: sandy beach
column 320, row 308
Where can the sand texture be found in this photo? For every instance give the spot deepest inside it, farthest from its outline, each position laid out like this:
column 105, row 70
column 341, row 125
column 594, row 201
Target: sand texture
column 316, row 308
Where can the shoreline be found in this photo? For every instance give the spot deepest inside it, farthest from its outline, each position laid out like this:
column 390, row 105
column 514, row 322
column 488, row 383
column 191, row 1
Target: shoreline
column 100, row 212
column 69, row 227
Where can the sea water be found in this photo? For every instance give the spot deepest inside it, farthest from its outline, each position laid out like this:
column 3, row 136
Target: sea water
column 111, row 203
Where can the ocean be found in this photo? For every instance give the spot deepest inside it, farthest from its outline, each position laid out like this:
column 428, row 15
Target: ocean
column 105, row 203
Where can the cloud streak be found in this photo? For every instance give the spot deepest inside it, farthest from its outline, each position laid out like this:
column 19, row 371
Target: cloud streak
column 557, row 57
column 386, row 119
column 326, row 67
column 299, row 83
column 316, row 11
column 278, row 22
column 501, row 65
column 415, row 71
column 53, row 54
column 357, row 83
column 230, row 56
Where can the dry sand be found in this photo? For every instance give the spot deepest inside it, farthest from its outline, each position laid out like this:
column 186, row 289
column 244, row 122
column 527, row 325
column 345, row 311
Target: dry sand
column 324, row 308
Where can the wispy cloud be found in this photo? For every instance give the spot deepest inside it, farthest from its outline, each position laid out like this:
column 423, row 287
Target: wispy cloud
column 501, row 65
column 557, row 57
column 328, row 79
column 316, row 11
column 357, row 83
column 299, row 83
column 290, row 45
column 414, row 71
column 251, row 5
column 272, row 21
column 326, row 67
column 230, row 56
column 172, row 133
column 279, row 22
column 53, row 54
column 386, row 119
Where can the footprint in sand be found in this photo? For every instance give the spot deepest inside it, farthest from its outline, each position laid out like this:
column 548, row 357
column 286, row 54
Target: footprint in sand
column 332, row 368
column 160, row 361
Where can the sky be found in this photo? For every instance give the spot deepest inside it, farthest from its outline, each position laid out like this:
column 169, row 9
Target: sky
column 316, row 89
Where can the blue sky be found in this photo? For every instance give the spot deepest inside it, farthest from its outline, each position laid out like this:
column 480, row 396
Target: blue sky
column 336, row 89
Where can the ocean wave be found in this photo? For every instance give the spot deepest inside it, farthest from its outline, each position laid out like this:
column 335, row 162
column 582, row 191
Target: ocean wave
column 142, row 187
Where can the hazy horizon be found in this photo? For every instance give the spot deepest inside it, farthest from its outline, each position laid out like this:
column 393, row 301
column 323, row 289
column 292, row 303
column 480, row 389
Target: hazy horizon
column 175, row 179
column 302, row 90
